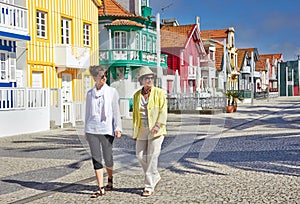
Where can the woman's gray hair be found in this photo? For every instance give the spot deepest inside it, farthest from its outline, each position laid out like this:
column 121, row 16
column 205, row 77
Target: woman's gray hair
column 95, row 69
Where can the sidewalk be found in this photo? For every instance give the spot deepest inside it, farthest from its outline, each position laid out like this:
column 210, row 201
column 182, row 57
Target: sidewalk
column 250, row 156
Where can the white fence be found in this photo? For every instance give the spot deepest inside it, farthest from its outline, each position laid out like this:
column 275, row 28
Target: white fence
column 28, row 110
column 23, row 110
column 65, row 112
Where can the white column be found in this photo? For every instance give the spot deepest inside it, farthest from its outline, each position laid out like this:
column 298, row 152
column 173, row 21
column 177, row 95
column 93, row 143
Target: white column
column 286, row 81
column 158, row 50
column 298, row 75
column 278, row 78
column 225, row 65
column 268, row 78
column 252, row 77
column 109, row 40
column 293, row 82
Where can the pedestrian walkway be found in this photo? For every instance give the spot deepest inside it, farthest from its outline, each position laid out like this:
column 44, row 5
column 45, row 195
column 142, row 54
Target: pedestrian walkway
column 250, row 156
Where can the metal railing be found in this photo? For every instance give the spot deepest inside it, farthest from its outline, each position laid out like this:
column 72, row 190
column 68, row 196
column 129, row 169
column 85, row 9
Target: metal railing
column 190, row 102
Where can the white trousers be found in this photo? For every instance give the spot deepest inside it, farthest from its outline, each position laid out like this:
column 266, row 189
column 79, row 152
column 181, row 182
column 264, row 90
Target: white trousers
column 147, row 152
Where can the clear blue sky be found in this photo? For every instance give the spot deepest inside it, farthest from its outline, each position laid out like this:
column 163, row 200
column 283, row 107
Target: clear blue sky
column 271, row 26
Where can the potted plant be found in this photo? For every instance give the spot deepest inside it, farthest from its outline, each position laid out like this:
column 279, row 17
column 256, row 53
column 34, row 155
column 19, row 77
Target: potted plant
column 232, row 98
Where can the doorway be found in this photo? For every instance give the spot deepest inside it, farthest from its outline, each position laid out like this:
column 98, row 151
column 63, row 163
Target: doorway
column 66, row 87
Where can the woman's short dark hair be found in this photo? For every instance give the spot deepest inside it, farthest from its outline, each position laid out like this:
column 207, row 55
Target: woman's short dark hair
column 95, row 69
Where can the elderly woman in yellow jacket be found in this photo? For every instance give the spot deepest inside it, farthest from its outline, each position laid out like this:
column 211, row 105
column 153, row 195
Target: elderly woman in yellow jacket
column 149, row 127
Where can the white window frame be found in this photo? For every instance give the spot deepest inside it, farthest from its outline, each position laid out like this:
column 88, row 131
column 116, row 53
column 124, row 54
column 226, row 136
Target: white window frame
column 120, row 40
column 181, row 57
column 86, row 34
column 144, row 43
column 191, row 60
column 150, row 44
column 3, row 66
column 41, row 27
column 7, row 66
column 154, row 45
column 66, row 31
column 137, row 41
column 144, row 3
column 12, row 66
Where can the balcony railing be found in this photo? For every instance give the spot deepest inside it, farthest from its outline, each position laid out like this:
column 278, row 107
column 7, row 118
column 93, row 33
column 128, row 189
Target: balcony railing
column 13, row 19
column 132, row 56
column 22, row 98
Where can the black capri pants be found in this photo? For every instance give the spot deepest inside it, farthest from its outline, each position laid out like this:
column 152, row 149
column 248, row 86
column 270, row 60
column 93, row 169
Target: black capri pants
column 101, row 146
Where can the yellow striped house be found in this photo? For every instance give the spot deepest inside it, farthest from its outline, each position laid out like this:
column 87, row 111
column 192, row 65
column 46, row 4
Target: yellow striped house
column 64, row 43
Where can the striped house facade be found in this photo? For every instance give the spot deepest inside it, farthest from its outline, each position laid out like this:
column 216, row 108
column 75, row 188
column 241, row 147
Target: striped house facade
column 64, row 43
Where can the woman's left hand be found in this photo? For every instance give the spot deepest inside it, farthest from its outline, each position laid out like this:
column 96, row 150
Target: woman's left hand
column 117, row 133
column 155, row 129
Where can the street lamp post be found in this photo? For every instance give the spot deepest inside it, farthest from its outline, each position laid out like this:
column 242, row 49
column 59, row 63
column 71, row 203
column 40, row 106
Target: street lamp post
column 252, row 78
column 158, row 52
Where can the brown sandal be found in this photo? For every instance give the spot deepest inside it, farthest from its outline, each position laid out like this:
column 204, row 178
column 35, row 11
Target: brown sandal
column 109, row 185
column 99, row 192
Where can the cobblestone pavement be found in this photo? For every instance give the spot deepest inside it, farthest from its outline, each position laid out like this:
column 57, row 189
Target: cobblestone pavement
column 250, row 156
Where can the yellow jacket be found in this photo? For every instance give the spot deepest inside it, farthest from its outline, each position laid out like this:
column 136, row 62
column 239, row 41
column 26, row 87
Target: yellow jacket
column 157, row 111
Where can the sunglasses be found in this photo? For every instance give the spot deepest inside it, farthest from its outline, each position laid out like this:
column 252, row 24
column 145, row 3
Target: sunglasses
column 101, row 77
column 149, row 78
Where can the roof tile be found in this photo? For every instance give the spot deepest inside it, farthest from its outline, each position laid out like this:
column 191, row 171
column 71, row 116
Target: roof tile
column 121, row 22
column 112, row 8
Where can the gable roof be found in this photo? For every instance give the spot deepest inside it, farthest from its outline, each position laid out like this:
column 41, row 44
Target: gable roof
column 112, row 8
column 167, row 39
column 181, row 29
column 219, row 55
column 272, row 57
column 180, row 33
column 261, row 63
column 213, row 34
column 241, row 55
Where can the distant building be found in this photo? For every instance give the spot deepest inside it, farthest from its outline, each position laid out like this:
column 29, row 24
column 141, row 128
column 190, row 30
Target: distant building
column 289, row 78
column 14, row 34
column 267, row 67
column 225, row 56
column 185, row 50
column 128, row 40
column 247, row 58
